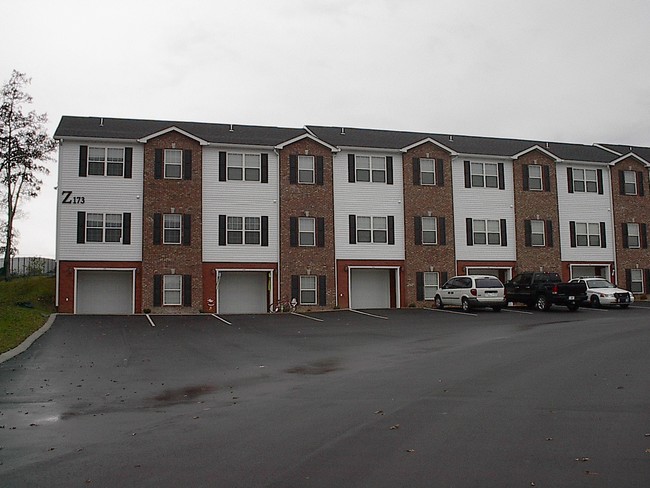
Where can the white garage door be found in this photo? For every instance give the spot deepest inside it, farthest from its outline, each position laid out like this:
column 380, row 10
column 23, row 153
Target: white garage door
column 104, row 292
column 369, row 288
column 242, row 292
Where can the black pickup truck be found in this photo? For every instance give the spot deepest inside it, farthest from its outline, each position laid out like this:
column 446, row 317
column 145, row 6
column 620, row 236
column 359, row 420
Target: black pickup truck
column 542, row 290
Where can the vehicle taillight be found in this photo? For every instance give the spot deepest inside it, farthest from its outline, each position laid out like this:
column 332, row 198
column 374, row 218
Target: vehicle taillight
column 554, row 291
column 473, row 292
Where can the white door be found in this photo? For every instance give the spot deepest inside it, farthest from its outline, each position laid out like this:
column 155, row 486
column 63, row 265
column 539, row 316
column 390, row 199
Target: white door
column 104, row 292
column 242, row 292
column 369, row 288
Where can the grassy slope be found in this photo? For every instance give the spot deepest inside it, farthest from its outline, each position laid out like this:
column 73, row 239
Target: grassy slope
column 16, row 322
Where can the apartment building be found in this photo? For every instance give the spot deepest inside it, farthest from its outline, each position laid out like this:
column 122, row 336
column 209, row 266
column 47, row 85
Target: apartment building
column 182, row 217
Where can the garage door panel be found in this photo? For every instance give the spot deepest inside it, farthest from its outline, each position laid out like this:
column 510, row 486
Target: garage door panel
column 104, row 292
column 242, row 292
column 370, row 288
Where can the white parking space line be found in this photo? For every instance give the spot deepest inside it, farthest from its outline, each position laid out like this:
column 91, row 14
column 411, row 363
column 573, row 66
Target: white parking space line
column 517, row 311
column 306, row 316
column 451, row 311
column 594, row 309
column 368, row 314
column 150, row 320
column 219, row 318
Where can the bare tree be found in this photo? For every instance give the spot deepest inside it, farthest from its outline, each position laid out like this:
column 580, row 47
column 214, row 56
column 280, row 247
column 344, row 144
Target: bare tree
column 25, row 147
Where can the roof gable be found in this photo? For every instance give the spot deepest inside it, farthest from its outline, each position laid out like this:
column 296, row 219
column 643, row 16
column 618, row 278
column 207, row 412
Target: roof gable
column 432, row 141
column 307, row 135
column 146, row 139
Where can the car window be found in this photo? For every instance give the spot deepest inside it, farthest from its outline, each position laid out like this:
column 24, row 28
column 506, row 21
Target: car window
column 488, row 283
column 465, row 282
column 600, row 284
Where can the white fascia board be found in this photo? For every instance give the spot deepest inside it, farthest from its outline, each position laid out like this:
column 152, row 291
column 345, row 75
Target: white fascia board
column 176, row 129
column 432, row 141
column 370, row 149
column 307, row 136
column 630, row 155
column 481, row 156
column 95, row 139
column 538, row 148
column 240, row 146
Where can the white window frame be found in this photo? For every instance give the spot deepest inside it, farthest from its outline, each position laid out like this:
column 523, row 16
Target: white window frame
column 306, row 231
column 429, row 230
column 585, row 180
column 306, row 170
column 537, row 233
column 535, row 181
column 629, row 180
column 633, row 232
column 171, row 163
column 252, row 231
column 431, row 284
column 484, row 229
column 111, row 157
column 172, row 287
column 308, row 285
column 370, row 169
column 638, row 274
column 484, row 175
column 249, row 166
column 172, row 224
column 108, row 224
column 587, row 234
column 428, row 171
column 235, row 227
column 376, row 227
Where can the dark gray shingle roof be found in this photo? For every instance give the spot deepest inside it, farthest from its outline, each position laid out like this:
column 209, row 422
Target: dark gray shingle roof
column 621, row 149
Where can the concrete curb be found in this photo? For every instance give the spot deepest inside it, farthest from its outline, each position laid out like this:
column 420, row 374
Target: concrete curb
column 5, row 356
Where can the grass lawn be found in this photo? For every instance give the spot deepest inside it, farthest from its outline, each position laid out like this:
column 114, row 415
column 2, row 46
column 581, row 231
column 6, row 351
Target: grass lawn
column 18, row 322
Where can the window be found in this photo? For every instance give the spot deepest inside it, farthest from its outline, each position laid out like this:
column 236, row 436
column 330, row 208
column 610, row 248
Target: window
column 173, row 163
column 427, row 171
column 306, row 169
column 244, row 230
column 535, row 177
column 629, row 184
column 633, row 236
column 172, row 286
column 306, row 231
column 172, row 228
column 537, row 233
column 371, row 168
column 636, row 280
column 106, row 160
column 485, row 175
column 235, row 230
column 487, row 232
column 113, row 231
column 585, row 180
column 252, row 230
column 242, row 166
column 431, row 284
column 308, row 290
column 372, row 229
column 429, row 230
column 103, row 228
column 587, row 234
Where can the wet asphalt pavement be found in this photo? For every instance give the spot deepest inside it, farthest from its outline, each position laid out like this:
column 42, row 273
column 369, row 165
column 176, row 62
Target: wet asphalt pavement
column 416, row 398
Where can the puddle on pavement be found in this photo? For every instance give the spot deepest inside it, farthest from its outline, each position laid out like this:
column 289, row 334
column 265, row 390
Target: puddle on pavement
column 316, row 367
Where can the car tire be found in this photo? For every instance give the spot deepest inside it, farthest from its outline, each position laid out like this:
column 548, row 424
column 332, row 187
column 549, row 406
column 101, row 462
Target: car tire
column 464, row 304
column 594, row 301
column 438, row 302
column 573, row 307
column 542, row 303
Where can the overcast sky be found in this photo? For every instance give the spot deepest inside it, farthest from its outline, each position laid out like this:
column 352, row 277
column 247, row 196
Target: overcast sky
column 559, row 70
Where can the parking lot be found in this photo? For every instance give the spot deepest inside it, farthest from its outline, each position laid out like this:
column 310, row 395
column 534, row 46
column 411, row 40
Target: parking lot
column 380, row 398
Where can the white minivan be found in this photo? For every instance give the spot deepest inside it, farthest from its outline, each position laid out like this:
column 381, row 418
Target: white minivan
column 471, row 291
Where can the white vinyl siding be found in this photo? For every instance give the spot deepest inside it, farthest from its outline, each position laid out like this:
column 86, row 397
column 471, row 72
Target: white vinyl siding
column 100, row 195
column 239, row 199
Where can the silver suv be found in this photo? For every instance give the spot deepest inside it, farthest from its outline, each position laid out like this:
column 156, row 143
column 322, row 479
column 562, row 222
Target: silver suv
column 471, row 292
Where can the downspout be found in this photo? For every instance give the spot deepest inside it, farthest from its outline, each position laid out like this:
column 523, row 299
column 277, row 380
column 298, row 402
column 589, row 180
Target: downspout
column 276, row 298
column 611, row 218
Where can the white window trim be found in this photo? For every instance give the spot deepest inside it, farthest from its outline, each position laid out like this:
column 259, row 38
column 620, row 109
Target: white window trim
column 632, row 174
column 585, row 180
column 167, row 164
column 640, row 280
column 532, row 178
column 243, row 231
column 105, row 161
column 311, row 169
column 533, row 233
column 373, row 228
column 435, row 229
column 431, row 287
column 314, row 289
column 431, row 172
column 376, row 165
column 179, row 228
column 636, row 234
column 483, row 174
column 588, row 235
column 486, row 233
column 311, row 231
column 244, row 166
column 104, row 228
column 168, row 288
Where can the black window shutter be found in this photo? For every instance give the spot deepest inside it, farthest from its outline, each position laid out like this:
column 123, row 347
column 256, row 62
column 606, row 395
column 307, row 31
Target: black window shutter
column 504, row 233
column 157, row 290
column 442, row 231
column 295, row 287
column 187, row 290
column 572, row 233
column 524, row 169
column 416, row 171
column 549, row 233
column 440, row 172
column 444, row 276
column 419, row 286
column 353, row 229
column 626, row 240
column 417, row 226
column 647, row 280
column 351, row 169
column 128, row 162
column 320, row 231
column 628, row 279
column 527, row 233
column 322, row 290
column 603, row 235
column 222, row 165
column 158, row 164
column 126, row 228
column 599, row 175
column 639, row 183
column 293, row 169
column 83, row 160
column 293, row 231
column 546, row 172
column 264, row 176
column 265, row 230
column 391, row 230
column 621, row 182
column 468, row 175
column 81, row 227
column 569, row 176
column 320, row 169
column 222, row 230
column 502, row 179
column 187, row 229
column 469, row 231
column 187, row 164
column 389, row 170
column 644, row 236
column 157, row 229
